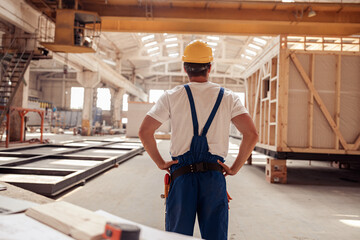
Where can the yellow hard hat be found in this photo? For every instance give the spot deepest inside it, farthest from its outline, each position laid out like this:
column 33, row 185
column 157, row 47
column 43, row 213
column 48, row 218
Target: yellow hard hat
column 197, row 52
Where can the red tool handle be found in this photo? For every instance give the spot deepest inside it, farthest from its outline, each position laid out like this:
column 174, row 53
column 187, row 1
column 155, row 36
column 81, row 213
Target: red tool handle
column 167, row 179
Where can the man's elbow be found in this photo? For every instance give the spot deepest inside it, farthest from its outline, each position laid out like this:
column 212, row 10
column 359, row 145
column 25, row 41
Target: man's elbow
column 142, row 133
column 253, row 135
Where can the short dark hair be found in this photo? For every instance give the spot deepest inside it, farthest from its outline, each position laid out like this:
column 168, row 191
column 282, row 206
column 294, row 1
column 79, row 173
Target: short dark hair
column 196, row 69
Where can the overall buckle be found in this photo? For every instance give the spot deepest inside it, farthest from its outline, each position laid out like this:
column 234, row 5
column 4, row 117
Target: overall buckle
column 201, row 167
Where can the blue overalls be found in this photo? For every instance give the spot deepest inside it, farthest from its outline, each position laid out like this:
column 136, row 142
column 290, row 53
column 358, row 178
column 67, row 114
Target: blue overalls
column 203, row 193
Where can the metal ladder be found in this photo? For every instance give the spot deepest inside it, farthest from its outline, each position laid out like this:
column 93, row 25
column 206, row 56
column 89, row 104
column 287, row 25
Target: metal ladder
column 14, row 63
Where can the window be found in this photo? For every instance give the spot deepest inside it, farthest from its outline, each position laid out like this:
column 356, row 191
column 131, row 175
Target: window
column 154, row 95
column 77, row 98
column 125, row 102
column 103, row 99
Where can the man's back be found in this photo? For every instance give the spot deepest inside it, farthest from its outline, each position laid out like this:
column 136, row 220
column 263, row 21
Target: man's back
column 174, row 104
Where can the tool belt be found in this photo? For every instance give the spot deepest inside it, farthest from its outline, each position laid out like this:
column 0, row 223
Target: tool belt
column 196, row 167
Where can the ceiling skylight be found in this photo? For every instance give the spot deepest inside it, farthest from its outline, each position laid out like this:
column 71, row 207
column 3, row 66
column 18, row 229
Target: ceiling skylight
column 254, row 46
column 173, row 54
column 148, row 37
column 239, row 66
column 171, row 39
column 250, row 52
column 150, row 44
column 152, row 49
column 154, row 54
column 172, row 45
column 260, row 41
column 212, row 43
column 213, row 38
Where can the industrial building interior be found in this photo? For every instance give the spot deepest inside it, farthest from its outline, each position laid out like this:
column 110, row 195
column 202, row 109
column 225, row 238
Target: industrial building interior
column 79, row 76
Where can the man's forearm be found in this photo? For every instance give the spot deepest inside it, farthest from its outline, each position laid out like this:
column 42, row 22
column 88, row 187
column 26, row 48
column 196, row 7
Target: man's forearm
column 247, row 145
column 149, row 143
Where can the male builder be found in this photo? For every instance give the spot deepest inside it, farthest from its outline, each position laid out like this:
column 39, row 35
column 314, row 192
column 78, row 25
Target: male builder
column 200, row 113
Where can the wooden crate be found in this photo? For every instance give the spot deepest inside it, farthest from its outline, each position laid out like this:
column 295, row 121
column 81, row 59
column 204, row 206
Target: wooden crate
column 305, row 103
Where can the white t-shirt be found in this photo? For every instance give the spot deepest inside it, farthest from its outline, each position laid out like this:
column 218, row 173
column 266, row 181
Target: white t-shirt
column 174, row 105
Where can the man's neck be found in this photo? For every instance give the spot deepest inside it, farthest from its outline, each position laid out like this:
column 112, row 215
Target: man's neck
column 199, row 79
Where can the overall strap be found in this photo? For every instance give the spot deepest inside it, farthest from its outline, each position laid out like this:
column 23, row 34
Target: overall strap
column 213, row 112
column 193, row 111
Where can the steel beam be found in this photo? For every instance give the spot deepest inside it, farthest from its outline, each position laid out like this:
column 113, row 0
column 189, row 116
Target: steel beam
column 285, row 20
column 226, row 27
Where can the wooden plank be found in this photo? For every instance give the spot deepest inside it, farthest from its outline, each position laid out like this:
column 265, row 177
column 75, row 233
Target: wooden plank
column 337, row 97
column 246, row 104
column 283, row 95
column 257, row 95
column 318, row 99
column 357, row 144
column 311, row 102
column 261, row 108
column 321, row 150
column 69, row 219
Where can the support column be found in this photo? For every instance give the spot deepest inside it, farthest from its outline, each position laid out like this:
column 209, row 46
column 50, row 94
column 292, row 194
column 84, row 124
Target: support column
column 20, row 100
column 117, row 100
column 89, row 80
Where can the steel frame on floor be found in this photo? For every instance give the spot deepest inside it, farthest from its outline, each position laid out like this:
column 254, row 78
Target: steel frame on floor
column 38, row 179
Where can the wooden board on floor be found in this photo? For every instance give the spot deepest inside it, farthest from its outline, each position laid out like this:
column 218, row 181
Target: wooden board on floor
column 69, row 219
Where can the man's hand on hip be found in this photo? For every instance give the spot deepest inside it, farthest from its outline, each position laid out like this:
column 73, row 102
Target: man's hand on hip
column 226, row 170
column 166, row 165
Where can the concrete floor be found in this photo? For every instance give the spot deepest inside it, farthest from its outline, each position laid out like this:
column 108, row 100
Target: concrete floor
column 319, row 202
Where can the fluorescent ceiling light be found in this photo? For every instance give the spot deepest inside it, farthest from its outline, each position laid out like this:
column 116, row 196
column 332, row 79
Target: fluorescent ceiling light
column 250, row 52
column 213, row 38
column 173, row 54
column 171, row 39
column 148, row 37
column 152, row 49
column 242, row 55
column 212, row 43
column 259, row 40
column 165, row 34
column 150, row 44
column 288, row 1
column 109, row 62
column 254, row 46
column 247, row 57
column 172, row 45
